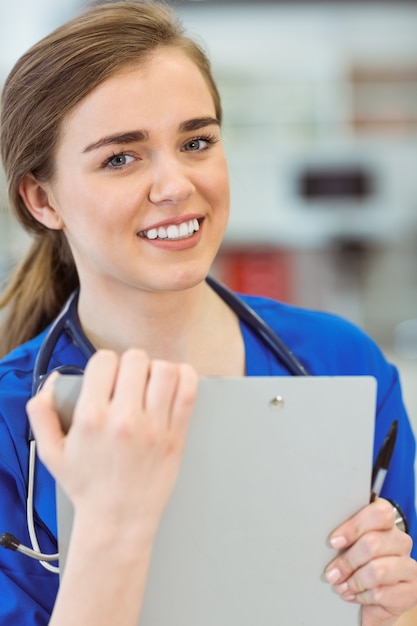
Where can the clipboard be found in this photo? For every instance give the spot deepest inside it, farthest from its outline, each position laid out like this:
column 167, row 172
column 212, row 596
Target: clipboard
column 271, row 466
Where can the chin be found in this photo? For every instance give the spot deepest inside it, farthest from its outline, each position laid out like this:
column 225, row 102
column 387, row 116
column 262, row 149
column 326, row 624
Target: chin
column 187, row 279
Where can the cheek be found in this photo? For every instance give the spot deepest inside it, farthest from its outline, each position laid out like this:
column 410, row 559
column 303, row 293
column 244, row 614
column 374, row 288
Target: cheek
column 217, row 186
column 223, row 194
column 87, row 208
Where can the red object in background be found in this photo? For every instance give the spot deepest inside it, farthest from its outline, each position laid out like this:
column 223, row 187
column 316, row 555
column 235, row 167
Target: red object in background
column 258, row 271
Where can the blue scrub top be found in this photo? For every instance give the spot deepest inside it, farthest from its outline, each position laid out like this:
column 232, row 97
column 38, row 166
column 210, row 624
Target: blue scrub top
column 324, row 343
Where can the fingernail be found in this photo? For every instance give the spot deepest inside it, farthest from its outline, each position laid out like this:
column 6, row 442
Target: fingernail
column 350, row 598
column 338, row 542
column 332, row 576
column 50, row 380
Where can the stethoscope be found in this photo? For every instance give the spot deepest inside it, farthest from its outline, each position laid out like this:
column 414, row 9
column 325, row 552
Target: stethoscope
column 68, row 323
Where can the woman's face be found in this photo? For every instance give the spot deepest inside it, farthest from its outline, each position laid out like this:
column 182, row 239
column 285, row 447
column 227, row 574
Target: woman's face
column 141, row 185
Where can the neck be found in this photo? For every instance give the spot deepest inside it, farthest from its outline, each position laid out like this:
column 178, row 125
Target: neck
column 193, row 326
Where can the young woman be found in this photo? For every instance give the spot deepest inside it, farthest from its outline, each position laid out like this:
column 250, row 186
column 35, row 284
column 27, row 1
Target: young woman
column 111, row 144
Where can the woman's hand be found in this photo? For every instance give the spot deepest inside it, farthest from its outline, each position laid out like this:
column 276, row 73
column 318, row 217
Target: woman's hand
column 374, row 567
column 121, row 457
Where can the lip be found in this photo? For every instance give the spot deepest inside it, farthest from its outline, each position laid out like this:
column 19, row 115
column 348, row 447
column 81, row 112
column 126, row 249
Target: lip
column 176, row 221
column 174, row 245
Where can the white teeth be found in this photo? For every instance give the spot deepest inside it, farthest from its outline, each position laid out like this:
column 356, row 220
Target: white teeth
column 173, row 232
column 152, row 233
column 185, row 229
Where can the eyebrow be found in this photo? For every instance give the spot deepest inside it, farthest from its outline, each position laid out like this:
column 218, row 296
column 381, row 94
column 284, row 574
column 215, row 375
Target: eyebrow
column 117, row 138
column 197, row 123
column 142, row 135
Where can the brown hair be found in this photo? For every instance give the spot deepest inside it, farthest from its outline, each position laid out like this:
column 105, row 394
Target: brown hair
column 46, row 83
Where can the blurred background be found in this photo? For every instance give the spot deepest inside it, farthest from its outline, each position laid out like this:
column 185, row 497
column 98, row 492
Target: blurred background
column 320, row 105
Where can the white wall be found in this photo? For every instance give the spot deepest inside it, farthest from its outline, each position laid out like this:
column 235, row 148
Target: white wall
column 283, row 74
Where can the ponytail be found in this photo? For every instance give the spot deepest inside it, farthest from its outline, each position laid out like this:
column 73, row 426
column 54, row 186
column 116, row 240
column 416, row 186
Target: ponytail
column 38, row 289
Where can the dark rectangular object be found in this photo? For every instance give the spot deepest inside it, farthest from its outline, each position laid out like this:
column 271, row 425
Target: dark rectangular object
column 336, row 183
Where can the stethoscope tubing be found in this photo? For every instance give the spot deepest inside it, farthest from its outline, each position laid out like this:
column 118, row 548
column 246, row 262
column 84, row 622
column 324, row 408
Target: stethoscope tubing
column 68, row 323
column 270, row 338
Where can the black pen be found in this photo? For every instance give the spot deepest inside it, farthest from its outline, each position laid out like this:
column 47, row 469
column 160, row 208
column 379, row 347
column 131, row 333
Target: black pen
column 383, row 460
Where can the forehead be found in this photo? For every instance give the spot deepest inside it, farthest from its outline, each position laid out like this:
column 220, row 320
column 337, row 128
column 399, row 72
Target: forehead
column 167, row 85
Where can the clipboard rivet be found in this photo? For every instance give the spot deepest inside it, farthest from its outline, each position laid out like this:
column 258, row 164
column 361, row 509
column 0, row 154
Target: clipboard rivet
column 276, row 403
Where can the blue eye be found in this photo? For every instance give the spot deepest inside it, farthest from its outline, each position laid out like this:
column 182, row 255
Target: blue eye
column 195, row 144
column 200, row 143
column 117, row 161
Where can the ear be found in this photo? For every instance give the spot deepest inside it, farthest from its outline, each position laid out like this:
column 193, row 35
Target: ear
column 39, row 202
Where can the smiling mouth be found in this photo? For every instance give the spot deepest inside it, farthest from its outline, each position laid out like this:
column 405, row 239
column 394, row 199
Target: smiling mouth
column 172, row 231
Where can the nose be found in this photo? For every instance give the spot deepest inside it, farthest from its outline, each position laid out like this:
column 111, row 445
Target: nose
column 171, row 183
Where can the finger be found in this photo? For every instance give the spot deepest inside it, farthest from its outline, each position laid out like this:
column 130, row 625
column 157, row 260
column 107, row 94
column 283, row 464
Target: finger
column 371, row 546
column 129, row 392
column 161, row 390
column 376, row 516
column 395, row 599
column 381, row 572
column 97, row 389
column 184, row 399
